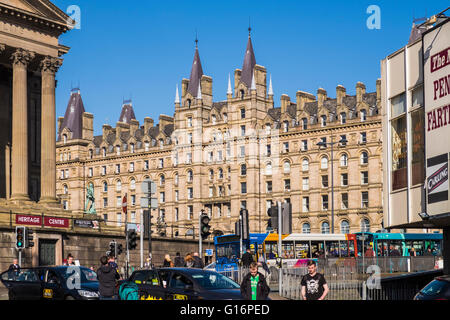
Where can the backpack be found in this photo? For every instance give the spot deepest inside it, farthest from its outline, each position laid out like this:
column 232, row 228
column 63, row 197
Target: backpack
column 129, row 291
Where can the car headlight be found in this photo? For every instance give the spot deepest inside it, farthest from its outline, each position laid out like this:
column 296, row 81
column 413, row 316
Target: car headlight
column 88, row 294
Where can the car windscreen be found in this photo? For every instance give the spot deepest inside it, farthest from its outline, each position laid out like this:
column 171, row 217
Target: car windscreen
column 435, row 288
column 214, row 281
column 84, row 274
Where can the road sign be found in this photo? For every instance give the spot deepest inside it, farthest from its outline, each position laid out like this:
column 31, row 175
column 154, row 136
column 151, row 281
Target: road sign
column 209, row 252
column 124, row 204
column 148, row 186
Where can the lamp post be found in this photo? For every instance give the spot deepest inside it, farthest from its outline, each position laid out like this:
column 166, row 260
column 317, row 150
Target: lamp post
column 325, row 144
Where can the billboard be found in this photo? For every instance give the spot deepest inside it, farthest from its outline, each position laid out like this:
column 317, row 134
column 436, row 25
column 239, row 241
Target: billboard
column 436, row 72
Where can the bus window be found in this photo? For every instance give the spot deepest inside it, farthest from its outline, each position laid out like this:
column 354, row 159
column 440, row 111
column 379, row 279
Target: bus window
column 271, row 250
column 302, row 250
column 382, row 248
column 317, row 248
column 343, row 248
column 396, row 245
column 332, row 249
column 434, row 245
column 287, row 249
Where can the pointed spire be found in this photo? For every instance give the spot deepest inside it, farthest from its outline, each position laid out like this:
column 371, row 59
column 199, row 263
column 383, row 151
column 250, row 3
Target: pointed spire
column 253, row 87
column 270, row 86
column 196, row 72
column 73, row 118
column 229, row 91
column 127, row 113
column 249, row 62
column 177, row 96
column 199, row 92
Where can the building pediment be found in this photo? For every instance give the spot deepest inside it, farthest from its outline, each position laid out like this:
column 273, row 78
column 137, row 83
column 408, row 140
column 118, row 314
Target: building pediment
column 43, row 9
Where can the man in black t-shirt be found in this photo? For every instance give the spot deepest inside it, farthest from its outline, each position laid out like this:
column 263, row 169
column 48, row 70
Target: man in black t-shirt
column 314, row 285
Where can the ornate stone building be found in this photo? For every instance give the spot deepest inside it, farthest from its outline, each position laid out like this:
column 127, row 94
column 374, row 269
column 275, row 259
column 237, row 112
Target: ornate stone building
column 222, row 156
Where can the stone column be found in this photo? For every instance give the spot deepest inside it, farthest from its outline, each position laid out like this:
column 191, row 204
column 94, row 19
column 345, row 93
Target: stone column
column 19, row 184
column 49, row 67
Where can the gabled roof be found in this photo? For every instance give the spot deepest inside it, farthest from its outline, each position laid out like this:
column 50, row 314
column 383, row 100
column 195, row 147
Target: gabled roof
column 73, row 118
column 249, row 64
column 196, row 75
column 274, row 113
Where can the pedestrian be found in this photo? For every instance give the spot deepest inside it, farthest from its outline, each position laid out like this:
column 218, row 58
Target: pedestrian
column 247, row 259
column 167, row 262
column 189, row 261
column 69, row 261
column 14, row 269
column 179, row 262
column 314, row 285
column 369, row 252
column 394, row 252
column 107, row 279
column 198, row 262
column 254, row 285
column 113, row 264
column 147, row 263
column 263, row 264
column 412, row 252
column 428, row 252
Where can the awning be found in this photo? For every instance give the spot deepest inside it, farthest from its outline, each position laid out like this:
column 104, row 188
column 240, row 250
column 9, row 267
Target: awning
column 433, row 222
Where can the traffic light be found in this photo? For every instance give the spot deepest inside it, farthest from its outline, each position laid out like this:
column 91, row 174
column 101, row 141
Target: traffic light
column 204, row 226
column 132, row 239
column 245, row 227
column 29, row 238
column 112, row 248
column 119, row 249
column 147, row 223
column 20, row 238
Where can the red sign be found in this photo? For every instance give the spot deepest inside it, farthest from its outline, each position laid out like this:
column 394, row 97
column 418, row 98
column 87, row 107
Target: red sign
column 28, row 220
column 440, row 60
column 56, row 222
column 124, row 204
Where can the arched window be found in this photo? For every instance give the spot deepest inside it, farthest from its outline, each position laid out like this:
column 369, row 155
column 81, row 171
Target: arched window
column 190, row 176
column 243, row 169
column 305, row 164
column 365, row 225
column 323, row 120
column 343, row 117
column 269, row 168
column 345, row 227
column 66, row 189
column 344, row 160
column 364, row 158
column 105, row 186
column 162, row 180
column 306, row 228
column 324, row 163
column 119, row 185
column 287, row 167
column 325, row 227
column 65, row 138
column 132, row 184
column 363, row 115
column 242, row 92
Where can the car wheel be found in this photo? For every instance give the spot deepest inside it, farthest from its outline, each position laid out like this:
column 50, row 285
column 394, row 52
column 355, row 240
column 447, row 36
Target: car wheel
column 70, row 298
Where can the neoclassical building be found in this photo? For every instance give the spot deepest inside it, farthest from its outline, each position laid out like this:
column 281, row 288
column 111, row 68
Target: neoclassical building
column 225, row 155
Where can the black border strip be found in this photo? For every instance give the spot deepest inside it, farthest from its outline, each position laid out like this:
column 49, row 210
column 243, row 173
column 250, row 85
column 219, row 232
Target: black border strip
column 443, row 158
column 438, row 197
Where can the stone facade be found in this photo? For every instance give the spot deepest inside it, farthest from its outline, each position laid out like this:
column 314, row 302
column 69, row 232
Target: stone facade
column 222, row 156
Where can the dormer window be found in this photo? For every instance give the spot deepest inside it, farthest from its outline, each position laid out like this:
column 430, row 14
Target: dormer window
column 268, row 128
column 118, row 150
column 225, row 117
column 161, row 143
column 132, row 148
column 323, row 120
column 285, row 126
column 104, row 152
column 65, row 138
column 363, row 115
column 343, row 117
column 214, row 119
column 305, row 123
column 242, row 94
column 147, row 146
column 91, row 153
column 188, row 103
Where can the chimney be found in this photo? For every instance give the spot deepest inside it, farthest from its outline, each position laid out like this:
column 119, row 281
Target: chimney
column 164, row 120
column 121, row 127
column 321, row 97
column 134, row 126
column 148, row 123
column 88, row 126
column 340, row 94
column 107, row 129
column 60, row 122
column 302, row 98
column 206, row 83
column 378, row 91
column 285, row 102
column 360, row 90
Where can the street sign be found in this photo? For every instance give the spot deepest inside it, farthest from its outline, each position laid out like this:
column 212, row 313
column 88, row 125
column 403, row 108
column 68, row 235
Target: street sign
column 209, row 252
column 151, row 203
column 124, row 204
column 148, row 186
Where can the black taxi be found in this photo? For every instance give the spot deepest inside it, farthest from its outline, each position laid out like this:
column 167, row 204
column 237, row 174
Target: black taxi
column 184, row 284
column 51, row 283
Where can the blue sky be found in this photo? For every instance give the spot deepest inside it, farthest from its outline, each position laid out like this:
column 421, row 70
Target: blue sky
column 142, row 49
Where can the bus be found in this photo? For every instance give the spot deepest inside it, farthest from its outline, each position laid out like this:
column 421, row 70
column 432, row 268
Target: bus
column 298, row 248
column 228, row 250
column 403, row 242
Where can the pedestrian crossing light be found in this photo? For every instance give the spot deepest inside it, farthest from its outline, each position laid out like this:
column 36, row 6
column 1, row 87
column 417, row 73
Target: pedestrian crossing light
column 112, row 248
column 204, row 226
column 132, row 239
column 119, row 249
column 20, row 238
column 29, row 237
